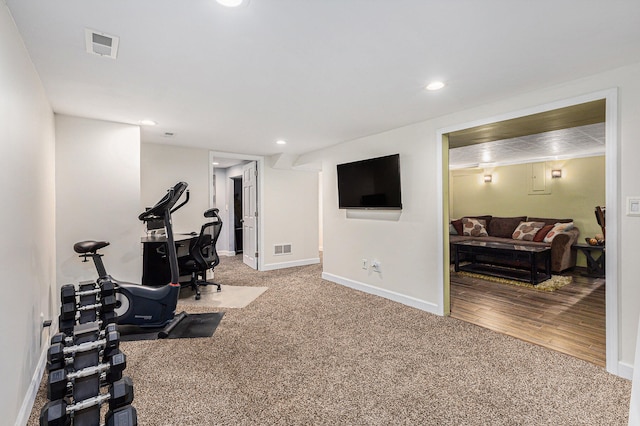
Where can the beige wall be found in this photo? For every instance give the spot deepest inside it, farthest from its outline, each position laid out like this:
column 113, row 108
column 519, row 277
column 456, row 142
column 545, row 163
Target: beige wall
column 291, row 217
column 581, row 188
column 161, row 167
column 97, row 196
column 28, row 253
column 290, row 201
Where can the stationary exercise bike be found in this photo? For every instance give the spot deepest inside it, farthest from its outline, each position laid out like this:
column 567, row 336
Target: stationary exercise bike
column 141, row 305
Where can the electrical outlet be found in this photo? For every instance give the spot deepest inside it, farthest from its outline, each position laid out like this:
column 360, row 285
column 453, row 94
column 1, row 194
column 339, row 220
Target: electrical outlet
column 365, row 264
column 375, row 265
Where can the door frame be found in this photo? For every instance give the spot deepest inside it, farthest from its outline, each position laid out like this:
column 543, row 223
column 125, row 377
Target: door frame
column 260, row 193
column 612, row 187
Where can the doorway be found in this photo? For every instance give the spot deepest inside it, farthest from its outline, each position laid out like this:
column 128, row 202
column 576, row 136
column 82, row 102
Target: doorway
column 611, row 292
column 228, row 178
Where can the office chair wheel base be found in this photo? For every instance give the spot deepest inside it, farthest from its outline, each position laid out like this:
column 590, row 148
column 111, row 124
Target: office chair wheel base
column 197, row 297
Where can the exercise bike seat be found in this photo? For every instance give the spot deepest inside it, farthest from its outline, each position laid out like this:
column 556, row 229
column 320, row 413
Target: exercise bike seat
column 89, row 246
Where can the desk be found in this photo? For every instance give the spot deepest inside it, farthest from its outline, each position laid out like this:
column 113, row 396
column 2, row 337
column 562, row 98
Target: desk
column 595, row 266
column 155, row 266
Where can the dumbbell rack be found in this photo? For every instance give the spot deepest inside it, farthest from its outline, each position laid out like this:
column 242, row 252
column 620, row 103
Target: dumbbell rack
column 83, row 358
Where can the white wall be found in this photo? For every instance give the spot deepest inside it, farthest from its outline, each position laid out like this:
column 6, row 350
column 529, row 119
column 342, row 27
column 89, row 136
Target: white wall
column 162, row 166
column 27, row 252
column 399, row 241
column 291, row 217
column 97, row 196
column 408, row 248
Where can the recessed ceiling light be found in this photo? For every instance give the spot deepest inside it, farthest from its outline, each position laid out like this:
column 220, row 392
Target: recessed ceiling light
column 215, row 163
column 147, row 122
column 435, row 85
column 230, row 3
column 281, row 142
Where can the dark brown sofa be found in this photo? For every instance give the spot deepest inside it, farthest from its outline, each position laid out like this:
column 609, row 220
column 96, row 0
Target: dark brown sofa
column 500, row 229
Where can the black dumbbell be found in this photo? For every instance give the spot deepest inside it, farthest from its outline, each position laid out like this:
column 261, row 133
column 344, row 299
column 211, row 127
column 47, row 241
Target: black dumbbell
column 120, row 393
column 57, row 352
column 107, row 288
column 66, row 339
column 68, row 292
column 56, row 361
column 125, row 416
column 69, row 307
column 107, row 318
column 60, row 380
column 57, row 413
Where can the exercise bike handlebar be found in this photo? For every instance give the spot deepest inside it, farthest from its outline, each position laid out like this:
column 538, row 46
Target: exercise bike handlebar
column 166, row 203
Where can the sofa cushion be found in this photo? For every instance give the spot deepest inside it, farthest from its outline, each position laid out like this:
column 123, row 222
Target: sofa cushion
column 527, row 230
column 473, row 227
column 548, row 221
column 557, row 229
column 504, row 226
column 457, row 224
column 542, row 233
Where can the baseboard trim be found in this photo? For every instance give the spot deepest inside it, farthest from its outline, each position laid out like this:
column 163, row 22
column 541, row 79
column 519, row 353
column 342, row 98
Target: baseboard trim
column 625, row 370
column 226, row 253
column 32, row 390
column 291, row 264
column 387, row 294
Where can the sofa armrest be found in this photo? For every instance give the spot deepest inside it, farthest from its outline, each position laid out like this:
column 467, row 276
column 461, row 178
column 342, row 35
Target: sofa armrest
column 562, row 256
column 565, row 239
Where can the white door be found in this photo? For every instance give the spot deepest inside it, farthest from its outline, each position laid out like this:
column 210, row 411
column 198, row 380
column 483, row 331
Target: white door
column 250, row 215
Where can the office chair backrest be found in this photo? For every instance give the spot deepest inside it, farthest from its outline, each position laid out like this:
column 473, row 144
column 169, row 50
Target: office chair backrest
column 203, row 249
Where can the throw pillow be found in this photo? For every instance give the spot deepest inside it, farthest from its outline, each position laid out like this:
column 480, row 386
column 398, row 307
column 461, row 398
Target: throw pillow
column 473, row 227
column 458, row 225
column 542, row 233
column 558, row 228
column 452, row 230
column 527, row 230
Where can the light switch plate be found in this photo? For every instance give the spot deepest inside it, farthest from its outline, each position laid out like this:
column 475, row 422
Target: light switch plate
column 633, row 206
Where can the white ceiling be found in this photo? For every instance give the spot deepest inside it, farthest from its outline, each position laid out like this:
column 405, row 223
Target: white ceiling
column 314, row 72
column 575, row 142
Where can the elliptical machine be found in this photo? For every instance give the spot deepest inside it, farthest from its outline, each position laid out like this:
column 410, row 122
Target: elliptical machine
column 138, row 305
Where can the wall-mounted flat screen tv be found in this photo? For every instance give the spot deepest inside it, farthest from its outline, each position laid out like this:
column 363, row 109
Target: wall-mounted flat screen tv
column 370, row 184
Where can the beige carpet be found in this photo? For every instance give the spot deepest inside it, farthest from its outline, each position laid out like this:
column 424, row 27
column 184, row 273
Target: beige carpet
column 231, row 296
column 308, row 351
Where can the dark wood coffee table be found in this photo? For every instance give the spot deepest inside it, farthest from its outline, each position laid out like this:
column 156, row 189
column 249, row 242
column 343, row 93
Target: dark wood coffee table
column 530, row 264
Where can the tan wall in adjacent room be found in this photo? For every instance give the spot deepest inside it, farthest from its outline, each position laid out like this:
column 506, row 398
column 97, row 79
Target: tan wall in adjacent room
column 574, row 195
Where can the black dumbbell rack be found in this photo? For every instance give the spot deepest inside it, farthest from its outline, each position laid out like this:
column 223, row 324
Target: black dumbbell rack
column 85, row 363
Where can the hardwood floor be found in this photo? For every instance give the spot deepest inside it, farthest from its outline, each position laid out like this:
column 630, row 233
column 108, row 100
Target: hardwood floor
column 569, row 320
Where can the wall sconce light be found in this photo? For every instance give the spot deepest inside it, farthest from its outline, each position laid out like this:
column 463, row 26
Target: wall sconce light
column 556, row 173
column 487, row 178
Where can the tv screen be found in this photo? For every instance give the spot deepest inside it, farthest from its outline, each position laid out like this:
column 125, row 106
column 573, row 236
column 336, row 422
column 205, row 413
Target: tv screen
column 370, row 184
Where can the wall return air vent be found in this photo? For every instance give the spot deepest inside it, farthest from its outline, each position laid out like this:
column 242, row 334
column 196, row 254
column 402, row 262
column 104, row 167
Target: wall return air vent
column 101, row 44
column 280, row 249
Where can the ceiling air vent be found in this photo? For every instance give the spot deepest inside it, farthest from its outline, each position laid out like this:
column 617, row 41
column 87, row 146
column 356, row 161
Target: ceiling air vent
column 101, row 44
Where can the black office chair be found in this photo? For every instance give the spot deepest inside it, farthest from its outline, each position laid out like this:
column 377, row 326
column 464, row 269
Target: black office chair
column 202, row 253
